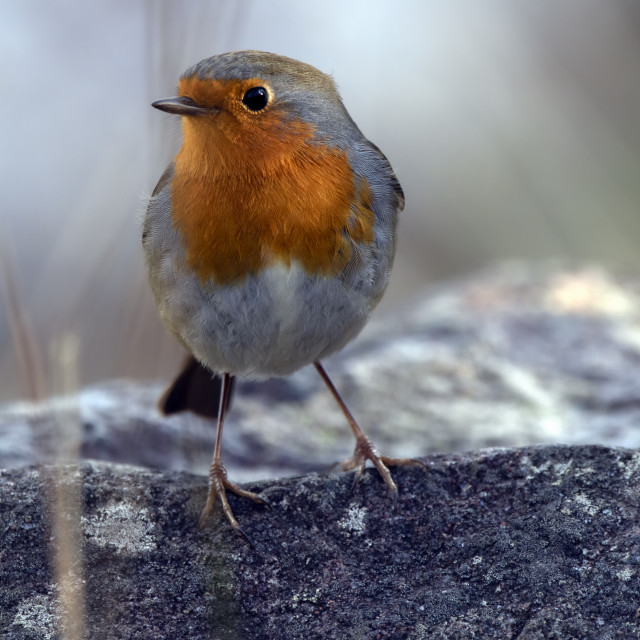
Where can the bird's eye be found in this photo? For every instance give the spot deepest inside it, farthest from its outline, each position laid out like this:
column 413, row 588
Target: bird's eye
column 256, row 98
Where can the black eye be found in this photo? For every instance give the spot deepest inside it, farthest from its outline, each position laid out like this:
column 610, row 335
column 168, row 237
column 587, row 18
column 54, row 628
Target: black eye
column 256, row 98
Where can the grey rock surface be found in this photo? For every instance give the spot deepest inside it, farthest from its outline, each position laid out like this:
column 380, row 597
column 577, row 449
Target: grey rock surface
column 532, row 543
column 529, row 543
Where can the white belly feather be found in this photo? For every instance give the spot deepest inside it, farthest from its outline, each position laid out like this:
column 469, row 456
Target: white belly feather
column 269, row 325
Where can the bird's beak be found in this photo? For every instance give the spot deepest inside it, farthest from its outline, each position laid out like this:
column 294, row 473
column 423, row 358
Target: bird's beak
column 182, row 106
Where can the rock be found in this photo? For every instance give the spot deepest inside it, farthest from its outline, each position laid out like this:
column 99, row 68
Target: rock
column 539, row 542
column 531, row 542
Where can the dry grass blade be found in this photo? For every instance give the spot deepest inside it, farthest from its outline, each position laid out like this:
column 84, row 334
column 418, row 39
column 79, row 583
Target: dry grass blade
column 24, row 341
column 67, row 492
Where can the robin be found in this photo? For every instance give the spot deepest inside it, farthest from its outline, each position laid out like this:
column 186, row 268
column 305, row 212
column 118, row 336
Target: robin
column 269, row 239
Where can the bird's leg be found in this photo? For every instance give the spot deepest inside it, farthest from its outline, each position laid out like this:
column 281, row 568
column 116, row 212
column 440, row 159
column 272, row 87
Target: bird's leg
column 218, row 481
column 364, row 447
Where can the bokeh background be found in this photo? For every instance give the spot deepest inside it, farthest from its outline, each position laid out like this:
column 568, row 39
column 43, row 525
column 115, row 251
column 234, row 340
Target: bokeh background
column 514, row 127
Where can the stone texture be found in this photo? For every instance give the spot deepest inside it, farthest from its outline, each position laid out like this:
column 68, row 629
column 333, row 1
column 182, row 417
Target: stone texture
column 533, row 543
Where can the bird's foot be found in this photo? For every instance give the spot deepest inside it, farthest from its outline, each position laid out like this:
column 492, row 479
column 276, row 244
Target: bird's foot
column 218, row 485
column 366, row 451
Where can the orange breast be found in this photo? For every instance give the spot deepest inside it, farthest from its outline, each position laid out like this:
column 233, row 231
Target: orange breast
column 244, row 197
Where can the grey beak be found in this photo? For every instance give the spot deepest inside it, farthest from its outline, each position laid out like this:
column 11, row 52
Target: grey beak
column 182, row 106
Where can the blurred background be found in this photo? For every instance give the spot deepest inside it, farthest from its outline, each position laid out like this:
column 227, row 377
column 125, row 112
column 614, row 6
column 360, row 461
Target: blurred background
column 514, row 128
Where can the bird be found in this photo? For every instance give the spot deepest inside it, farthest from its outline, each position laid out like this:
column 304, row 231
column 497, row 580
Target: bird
column 268, row 240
